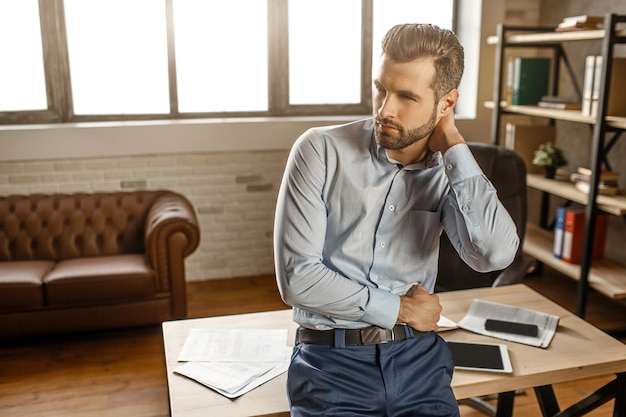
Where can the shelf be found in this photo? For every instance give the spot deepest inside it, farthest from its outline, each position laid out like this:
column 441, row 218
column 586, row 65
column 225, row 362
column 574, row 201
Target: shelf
column 567, row 115
column 616, row 122
column 612, row 204
column 605, row 276
column 552, row 37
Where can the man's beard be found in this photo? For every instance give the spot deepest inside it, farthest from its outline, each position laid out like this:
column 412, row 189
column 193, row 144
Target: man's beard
column 403, row 137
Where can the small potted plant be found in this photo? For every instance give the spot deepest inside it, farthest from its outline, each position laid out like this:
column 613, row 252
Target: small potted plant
column 550, row 157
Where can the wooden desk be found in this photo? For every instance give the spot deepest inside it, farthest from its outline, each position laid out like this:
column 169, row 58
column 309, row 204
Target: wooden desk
column 578, row 350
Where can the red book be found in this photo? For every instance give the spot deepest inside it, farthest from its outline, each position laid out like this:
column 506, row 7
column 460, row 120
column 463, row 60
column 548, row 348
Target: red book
column 574, row 233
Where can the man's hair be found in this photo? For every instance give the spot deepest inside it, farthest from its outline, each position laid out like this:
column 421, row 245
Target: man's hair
column 409, row 42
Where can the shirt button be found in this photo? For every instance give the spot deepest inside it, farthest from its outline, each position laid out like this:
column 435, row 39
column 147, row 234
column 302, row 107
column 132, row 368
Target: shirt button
column 465, row 208
column 392, row 207
column 449, row 167
column 382, row 244
column 375, row 278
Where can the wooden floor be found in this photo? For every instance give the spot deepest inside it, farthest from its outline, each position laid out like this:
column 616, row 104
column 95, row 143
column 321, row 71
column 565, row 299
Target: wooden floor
column 122, row 373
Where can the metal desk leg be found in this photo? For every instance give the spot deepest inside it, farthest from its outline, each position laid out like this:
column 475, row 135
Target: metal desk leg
column 619, row 410
column 547, row 400
column 615, row 389
column 505, row 404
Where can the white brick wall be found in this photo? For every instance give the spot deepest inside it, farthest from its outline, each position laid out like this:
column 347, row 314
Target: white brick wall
column 234, row 195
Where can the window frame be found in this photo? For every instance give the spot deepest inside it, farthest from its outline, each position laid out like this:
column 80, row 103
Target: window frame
column 59, row 89
column 55, row 64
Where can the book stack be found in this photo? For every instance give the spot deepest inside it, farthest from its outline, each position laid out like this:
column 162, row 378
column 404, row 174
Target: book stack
column 592, row 80
column 607, row 185
column 582, row 22
column 569, row 234
column 561, row 103
column 528, row 80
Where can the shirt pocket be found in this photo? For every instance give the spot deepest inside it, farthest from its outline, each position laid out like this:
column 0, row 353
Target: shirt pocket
column 423, row 234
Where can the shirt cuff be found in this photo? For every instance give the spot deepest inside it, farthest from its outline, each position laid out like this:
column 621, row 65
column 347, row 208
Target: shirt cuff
column 382, row 309
column 460, row 164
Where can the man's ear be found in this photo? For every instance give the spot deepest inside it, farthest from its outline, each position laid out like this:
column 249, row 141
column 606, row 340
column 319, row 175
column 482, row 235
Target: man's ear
column 448, row 102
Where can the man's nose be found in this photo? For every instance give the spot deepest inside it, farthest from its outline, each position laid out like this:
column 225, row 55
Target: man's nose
column 387, row 108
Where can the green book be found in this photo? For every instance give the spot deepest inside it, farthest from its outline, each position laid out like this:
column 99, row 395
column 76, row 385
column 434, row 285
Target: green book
column 531, row 79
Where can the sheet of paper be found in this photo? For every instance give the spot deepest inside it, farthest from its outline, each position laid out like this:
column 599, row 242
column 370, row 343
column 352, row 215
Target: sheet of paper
column 481, row 310
column 234, row 345
column 234, row 379
column 445, row 323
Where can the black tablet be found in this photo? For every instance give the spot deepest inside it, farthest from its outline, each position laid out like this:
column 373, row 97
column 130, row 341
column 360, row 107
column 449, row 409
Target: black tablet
column 490, row 357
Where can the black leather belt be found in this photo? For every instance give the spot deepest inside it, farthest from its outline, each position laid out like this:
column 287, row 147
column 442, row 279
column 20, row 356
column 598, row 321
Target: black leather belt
column 367, row 336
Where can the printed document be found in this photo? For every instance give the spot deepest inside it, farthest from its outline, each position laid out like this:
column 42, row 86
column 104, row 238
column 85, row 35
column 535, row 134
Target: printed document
column 481, row 310
column 234, row 345
column 234, row 361
column 233, row 379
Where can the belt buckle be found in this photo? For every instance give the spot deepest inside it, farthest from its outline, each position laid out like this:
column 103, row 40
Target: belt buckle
column 376, row 335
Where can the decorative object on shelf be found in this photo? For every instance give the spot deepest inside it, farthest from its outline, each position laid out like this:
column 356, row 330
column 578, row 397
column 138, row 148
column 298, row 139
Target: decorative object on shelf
column 607, row 184
column 550, row 157
column 582, row 22
column 560, row 103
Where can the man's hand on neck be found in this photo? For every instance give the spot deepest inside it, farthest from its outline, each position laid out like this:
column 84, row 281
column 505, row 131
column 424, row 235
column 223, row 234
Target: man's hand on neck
column 445, row 135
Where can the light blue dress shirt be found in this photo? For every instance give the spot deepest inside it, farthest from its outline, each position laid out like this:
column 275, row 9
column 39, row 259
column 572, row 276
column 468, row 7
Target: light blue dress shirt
column 354, row 229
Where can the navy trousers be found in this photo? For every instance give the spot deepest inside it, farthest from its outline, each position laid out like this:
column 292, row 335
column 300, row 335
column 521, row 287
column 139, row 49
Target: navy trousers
column 397, row 379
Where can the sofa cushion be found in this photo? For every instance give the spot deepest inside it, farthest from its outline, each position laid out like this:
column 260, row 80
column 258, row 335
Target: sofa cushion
column 97, row 279
column 21, row 283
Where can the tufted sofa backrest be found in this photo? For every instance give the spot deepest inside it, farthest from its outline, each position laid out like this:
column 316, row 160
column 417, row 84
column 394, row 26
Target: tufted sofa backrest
column 62, row 226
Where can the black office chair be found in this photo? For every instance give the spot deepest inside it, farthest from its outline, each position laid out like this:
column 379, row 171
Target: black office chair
column 507, row 172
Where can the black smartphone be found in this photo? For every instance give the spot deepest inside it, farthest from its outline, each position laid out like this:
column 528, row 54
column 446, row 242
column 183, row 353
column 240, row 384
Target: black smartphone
column 523, row 329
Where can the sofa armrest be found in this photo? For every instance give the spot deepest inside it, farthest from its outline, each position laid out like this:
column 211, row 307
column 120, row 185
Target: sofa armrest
column 171, row 234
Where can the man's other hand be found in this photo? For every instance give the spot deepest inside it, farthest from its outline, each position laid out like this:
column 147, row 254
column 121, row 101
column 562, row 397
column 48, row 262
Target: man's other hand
column 419, row 309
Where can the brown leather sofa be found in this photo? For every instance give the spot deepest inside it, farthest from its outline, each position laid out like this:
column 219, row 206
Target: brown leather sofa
column 80, row 262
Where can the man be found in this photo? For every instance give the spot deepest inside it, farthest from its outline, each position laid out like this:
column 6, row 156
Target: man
column 358, row 220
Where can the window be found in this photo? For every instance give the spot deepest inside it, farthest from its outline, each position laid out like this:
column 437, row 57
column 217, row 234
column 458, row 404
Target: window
column 324, row 68
column 221, row 55
column 100, row 60
column 22, row 78
column 119, row 71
